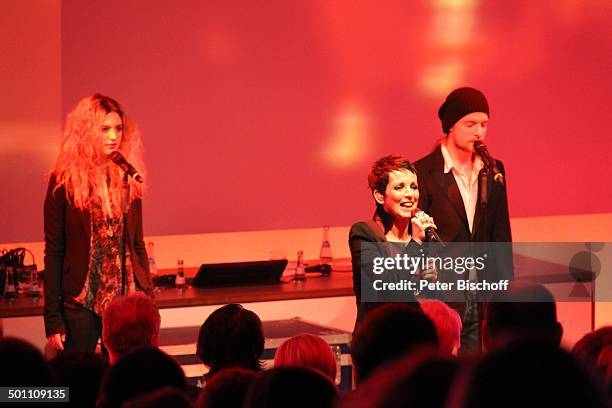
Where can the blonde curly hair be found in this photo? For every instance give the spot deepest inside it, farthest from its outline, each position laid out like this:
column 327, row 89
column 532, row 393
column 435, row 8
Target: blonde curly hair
column 83, row 168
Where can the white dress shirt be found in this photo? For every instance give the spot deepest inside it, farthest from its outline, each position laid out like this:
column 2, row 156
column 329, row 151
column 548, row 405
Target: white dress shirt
column 467, row 183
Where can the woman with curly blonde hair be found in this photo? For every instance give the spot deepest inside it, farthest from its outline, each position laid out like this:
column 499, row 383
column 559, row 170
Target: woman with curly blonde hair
column 89, row 258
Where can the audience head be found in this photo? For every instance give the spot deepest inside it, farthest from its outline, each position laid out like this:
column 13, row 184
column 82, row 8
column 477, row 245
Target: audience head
column 231, row 337
column 595, row 349
column 528, row 373
column 387, row 333
column 23, row 364
column 604, row 368
column 420, row 379
column 447, row 322
column 525, row 310
column 139, row 372
column 82, row 372
column 129, row 323
column 166, row 397
column 309, row 351
column 591, row 344
column 291, row 386
column 226, row 389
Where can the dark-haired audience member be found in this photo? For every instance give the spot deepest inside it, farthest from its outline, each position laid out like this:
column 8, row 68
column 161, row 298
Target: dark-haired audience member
column 231, row 336
column 291, row 387
column 139, row 372
column 82, row 372
column 591, row 344
column 23, row 365
column 421, row 379
column 227, row 389
column 525, row 310
column 447, row 322
column 167, row 397
column 308, row 351
column 528, row 373
column 386, row 334
column 129, row 323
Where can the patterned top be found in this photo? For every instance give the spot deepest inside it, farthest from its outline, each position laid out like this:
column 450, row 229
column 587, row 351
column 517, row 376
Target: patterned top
column 104, row 281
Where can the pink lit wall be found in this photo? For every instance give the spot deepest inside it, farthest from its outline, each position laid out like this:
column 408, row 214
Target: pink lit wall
column 267, row 115
column 30, row 112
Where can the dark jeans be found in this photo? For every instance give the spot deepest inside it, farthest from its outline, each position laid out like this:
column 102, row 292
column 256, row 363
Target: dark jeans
column 83, row 327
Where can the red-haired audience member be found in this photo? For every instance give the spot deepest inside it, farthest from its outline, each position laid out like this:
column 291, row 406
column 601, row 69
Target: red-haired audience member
column 528, row 373
column 420, row 379
column 447, row 322
column 595, row 349
column 294, row 387
column 129, row 323
column 308, row 351
column 82, row 372
column 591, row 344
column 137, row 373
column 231, row 337
column 226, row 389
column 526, row 310
column 22, row 364
column 604, row 368
column 386, row 334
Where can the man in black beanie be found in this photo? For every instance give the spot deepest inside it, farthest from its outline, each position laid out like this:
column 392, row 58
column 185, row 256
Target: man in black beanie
column 451, row 181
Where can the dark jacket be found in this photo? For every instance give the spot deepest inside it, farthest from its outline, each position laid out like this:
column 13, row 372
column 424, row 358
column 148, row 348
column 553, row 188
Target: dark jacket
column 441, row 199
column 67, row 239
column 367, row 241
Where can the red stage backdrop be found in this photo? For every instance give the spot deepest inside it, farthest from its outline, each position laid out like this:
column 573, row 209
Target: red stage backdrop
column 266, row 115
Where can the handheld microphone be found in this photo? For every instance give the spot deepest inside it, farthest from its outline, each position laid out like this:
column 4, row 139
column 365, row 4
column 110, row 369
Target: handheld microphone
column 431, row 235
column 119, row 160
column 482, row 151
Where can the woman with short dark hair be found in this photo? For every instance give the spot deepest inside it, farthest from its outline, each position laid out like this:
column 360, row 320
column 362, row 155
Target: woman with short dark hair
column 395, row 229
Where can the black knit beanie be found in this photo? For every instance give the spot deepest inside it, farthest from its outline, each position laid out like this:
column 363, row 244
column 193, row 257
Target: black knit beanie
column 459, row 103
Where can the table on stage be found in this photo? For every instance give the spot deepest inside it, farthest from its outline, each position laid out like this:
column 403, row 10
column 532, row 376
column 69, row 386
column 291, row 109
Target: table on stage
column 315, row 286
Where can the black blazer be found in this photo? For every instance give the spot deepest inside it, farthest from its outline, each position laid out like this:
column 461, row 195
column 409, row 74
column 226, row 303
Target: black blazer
column 440, row 198
column 67, row 238
column 367, row 241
